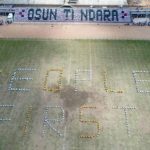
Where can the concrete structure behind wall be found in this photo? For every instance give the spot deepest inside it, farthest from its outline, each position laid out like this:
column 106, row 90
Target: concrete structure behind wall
column 61, row 2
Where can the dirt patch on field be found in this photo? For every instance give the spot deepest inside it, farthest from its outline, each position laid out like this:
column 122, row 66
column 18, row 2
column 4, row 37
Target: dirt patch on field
column 72, row 99
column 74, row 31
column 143, row 123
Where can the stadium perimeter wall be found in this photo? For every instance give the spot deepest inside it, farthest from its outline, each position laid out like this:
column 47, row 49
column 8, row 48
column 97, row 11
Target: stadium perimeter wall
column 99, row 14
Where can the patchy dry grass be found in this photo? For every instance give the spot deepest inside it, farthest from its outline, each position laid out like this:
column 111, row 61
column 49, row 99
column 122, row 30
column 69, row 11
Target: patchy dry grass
column 117, row 58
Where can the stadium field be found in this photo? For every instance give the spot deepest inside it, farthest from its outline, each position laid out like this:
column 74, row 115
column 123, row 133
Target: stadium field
column 82, row 94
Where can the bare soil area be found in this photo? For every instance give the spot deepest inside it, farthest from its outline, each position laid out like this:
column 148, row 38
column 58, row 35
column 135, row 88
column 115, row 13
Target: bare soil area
column 139, row 2
column 74, row 31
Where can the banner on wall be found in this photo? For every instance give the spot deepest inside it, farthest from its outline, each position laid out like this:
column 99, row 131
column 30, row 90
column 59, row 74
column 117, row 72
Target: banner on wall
column 98, row 15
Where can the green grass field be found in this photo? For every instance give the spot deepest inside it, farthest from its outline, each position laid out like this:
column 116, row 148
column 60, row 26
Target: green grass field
column 113, row 61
